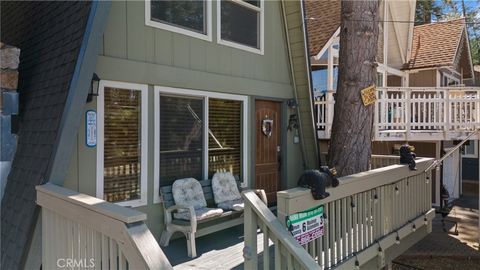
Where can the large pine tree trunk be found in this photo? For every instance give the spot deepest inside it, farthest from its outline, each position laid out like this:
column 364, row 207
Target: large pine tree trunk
column 350, row 144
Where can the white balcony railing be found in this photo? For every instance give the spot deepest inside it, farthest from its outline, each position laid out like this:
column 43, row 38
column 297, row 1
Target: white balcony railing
column 443, row 113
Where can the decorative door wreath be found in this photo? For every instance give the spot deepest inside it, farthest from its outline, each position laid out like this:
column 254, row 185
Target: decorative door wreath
column 267, row 126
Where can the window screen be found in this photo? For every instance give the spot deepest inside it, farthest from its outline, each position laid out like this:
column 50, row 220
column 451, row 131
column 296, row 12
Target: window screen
column 181, row 138
column 225, row 136
column 122, row 144
column 189, row 15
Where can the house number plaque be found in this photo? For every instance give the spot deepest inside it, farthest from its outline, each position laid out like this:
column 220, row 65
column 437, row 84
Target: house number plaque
column 91, row 128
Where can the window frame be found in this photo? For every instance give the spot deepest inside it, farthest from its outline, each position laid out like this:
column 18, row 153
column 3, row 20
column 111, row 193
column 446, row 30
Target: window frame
column 260, row 10
column 143, row 88
column 475, row 150
column 180, row 30
column 158, row 90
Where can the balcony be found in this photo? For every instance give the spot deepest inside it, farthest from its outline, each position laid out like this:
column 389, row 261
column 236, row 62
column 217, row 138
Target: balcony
column 414, row 114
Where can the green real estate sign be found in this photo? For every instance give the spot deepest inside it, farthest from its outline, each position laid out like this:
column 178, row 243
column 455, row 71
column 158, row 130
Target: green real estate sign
column 306, row 226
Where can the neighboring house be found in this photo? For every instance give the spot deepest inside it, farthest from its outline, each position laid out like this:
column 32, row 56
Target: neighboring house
column 431, row 55
column 476, row 73
column 440, row 55
column 393, row 41
column 176, row 98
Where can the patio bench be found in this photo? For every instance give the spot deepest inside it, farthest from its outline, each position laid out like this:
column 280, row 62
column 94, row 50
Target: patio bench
column 194, row 228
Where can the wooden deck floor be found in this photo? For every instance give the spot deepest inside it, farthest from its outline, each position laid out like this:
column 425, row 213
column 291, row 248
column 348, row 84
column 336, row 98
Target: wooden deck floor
column 218, row 251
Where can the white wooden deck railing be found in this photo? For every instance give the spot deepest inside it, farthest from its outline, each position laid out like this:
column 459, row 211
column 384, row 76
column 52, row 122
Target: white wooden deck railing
column 380, row 161
column 288, row 254
column 324, row 114
column 83, row 232
column 442, row 113
column 366, row 211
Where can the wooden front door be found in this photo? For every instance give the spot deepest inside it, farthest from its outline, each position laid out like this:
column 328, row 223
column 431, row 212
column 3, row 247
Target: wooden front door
column 268, row 159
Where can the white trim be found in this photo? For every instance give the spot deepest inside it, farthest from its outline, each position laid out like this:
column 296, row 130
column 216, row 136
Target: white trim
column 260, row 10
column 205, row 137
column 398, row 37
column 206, row 95
column 385, row 36
column 156, row 144
column 390, row 70
column 450, row 77
column 332, row 39
column 144, row 139
column 180, row 30
column 475, row 150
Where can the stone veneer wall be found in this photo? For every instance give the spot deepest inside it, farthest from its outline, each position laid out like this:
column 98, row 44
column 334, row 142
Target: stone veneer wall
column 9, row 60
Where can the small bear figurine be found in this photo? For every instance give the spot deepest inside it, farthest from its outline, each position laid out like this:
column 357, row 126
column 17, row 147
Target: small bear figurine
column 318, row 181
column 407, row 156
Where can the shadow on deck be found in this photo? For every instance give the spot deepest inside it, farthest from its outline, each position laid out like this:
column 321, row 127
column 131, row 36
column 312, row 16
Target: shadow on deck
column 441, row 250
column 222, row 250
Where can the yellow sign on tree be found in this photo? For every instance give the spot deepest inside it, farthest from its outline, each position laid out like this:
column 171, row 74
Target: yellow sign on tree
column 368, row 95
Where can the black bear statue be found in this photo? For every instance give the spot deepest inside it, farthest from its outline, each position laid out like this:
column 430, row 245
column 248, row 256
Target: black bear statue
column 407, row 156
column 318, row 180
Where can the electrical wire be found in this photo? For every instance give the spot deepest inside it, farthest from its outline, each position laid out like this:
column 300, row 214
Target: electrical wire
column 453, row 21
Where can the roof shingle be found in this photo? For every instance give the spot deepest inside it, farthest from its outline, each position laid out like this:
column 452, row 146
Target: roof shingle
column 435, row 44
column 323, row 19
column 49, row 34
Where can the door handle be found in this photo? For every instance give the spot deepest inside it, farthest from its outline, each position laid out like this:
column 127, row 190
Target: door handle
column 279, row 160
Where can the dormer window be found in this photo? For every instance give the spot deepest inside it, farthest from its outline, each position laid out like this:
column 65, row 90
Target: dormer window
column 240, row 24
column 191, row 18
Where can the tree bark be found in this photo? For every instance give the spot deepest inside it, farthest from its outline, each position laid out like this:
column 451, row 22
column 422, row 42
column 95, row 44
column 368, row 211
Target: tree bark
column 350, row 144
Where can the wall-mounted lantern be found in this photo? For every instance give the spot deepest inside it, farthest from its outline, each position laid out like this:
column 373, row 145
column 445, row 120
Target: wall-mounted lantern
column 93, row 88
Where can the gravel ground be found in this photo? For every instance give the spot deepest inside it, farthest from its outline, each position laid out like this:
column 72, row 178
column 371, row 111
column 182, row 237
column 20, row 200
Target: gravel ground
column 436, row 263
column 441, row 250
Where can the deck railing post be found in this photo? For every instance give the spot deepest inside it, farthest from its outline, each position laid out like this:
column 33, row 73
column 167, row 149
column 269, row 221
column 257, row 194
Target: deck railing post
column 376, row 115
column 407, row 113
column 330, row 110
column 250, row 231
column 447, row 118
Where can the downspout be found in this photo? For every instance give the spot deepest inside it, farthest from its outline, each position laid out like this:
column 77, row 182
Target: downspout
column 302, row 141
column 310, row 83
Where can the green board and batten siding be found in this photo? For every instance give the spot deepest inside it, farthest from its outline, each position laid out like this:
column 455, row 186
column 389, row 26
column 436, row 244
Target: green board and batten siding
column 135, row 53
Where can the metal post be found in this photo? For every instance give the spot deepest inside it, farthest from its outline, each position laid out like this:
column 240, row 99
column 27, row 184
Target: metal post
column 478, row 145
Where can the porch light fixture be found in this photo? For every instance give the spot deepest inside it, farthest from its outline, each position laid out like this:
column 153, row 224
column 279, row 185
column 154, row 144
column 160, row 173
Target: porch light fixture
column 396, row 190
column 397, row 239
column 292, row 103
column 414, row 227
column 375, row 197
column 352, row 204
column 380, row 250
column 427, row 180
column 94, row 85
column 357, row 263
column 425, row 220
column 381, row 256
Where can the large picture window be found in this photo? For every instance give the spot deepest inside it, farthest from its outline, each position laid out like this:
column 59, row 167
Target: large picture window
column 197, row 134
column 240, row 24
column 190, row 17
column 181, row 138
column 121, row 153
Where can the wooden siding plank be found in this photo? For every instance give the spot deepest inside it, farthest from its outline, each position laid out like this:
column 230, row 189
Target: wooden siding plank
column 115, row 37
column 198, row 54
column 163, row 47
column 140, row 40
column 181, row 51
